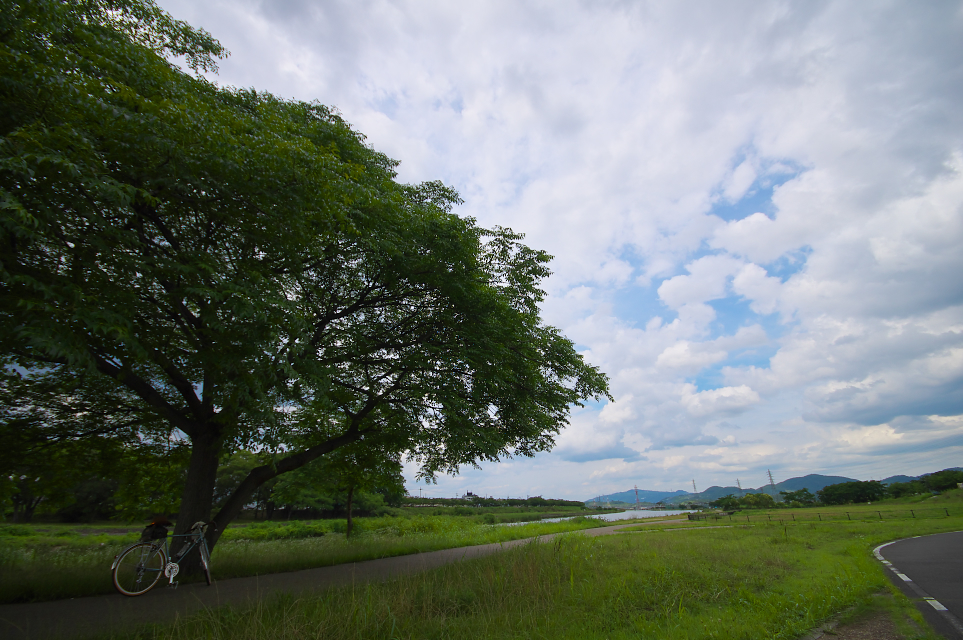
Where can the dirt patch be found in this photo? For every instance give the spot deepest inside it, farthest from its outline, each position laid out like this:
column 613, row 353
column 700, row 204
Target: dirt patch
column 876, row 627
column 882, row 617
column 113, row 531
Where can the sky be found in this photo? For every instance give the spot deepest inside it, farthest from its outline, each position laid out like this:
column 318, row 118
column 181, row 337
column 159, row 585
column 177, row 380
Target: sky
column 755, row 211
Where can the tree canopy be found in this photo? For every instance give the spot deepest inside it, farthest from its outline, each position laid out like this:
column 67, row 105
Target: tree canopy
column 802, row 496
column 855, row 491
column 226, row 268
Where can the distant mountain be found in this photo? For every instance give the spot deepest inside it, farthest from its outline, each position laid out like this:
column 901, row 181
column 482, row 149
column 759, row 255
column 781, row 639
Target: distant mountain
column 644, row 496
column 893, row 479
column 814, row 482
column 714, row 493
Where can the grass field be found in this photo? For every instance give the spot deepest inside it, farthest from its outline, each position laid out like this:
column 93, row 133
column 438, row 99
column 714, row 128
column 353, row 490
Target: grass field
column 910, row 507
column 736, row 582
column 47, row 562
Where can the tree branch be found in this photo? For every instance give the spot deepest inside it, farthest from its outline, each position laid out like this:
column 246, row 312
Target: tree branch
column 146, row 392
column 258, row 476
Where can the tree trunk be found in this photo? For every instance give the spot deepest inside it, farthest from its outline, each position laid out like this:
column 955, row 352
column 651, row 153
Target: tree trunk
column 198, row 495
column 347, row 530
column 24, row 502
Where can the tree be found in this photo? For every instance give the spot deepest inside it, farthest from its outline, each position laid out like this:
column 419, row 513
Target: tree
column 727, row 503
column 243, row 272
column 802, row 496
column 901, row 489
column 855, row 491
column 942, row 480
column 758, row 501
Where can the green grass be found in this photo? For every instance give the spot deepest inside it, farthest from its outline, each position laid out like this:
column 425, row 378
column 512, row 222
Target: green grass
column 949, row 503
column 740, row 582
column 48, row 562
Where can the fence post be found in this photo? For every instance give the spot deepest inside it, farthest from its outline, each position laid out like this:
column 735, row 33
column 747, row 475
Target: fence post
column 880, row 515
column 793, row 516
column 747, row 518
column 770, row 516
column 947, row 512
column 847, row 516
column 820, row 517
column 913, row 513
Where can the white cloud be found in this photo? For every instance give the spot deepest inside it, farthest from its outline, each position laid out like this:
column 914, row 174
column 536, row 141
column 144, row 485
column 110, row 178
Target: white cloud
column 638, row 144
column 739, row 182
column 753, row 283
column 682, row 355
column 720, row 401
column 706, row 281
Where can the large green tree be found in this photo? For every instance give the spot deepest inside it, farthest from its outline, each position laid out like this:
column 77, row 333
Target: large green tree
column 247, row 270
column 854, row 491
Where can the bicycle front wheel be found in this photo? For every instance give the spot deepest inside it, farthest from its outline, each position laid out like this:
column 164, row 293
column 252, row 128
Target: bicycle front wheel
column 138, row 568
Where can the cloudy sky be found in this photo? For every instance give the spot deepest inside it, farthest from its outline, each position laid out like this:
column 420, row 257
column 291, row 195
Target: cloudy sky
column 755, row 208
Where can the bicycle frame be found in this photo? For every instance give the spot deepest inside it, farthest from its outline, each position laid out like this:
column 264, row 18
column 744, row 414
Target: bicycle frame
column 172, row 564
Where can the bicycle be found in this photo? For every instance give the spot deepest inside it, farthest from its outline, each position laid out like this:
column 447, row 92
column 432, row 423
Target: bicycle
column 138, row 568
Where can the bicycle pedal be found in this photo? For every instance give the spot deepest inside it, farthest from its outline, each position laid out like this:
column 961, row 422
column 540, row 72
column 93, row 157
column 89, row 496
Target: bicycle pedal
column 173, row 585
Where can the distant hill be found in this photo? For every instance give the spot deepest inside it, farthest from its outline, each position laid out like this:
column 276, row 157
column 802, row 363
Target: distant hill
column 644, row 496
column 893, row 479
column 714, row 493
column 814, row 482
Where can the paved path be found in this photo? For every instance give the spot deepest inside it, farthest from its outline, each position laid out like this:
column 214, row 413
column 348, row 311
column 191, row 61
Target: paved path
column 80, row 617
column 929, row 569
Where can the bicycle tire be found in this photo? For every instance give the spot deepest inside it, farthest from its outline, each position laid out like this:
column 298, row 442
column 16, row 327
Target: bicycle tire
column 206, row 561
column 138, row 568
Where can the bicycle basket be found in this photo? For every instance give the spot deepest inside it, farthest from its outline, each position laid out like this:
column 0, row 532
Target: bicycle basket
column 153, row 531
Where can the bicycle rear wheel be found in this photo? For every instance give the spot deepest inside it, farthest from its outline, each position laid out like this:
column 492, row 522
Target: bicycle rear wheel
column 206, row 561
column 138, row 568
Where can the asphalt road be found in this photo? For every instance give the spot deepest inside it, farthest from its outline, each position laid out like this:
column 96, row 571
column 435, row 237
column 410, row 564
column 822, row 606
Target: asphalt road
column 80, row 617
column 929, row 569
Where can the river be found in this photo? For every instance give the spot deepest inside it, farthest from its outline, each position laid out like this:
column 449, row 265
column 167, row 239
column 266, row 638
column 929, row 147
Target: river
column 612, row 517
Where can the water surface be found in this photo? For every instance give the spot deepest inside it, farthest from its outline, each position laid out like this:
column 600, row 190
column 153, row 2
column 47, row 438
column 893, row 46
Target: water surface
column 612, row 517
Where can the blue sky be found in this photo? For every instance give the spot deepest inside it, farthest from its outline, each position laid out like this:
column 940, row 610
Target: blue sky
column 756, row 210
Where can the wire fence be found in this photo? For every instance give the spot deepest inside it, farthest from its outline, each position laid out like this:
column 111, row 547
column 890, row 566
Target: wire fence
column 830, row 516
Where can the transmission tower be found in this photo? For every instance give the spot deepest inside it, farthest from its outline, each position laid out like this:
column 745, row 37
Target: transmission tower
column 738, row 484
column 694, row 490
column 772, row 483
column 638, row 506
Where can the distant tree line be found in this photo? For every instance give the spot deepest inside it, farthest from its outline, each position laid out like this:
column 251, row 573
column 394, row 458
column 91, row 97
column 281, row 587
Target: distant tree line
column 479, row 501
column 845, row 492
column 110, row 482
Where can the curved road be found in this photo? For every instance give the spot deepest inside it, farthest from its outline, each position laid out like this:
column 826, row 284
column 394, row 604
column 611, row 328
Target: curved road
column 929, row 569
column 78, row 617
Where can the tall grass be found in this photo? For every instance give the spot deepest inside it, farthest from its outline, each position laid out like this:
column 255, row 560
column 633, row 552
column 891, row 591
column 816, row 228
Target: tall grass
column 740, row 583
column 34, row 568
